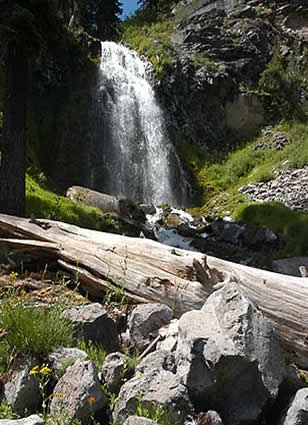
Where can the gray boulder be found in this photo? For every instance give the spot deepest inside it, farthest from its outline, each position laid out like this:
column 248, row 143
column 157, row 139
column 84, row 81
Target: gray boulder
column 290, row 266
column 145, row 321
column 113, row 369
column 155, row 384
column 30, row 420
column 62, row 357
column 169, row 336
column 81, row 395
column 228, row 357
column 297, row 413
column 94, row 324
column 138, row 420
column 209, row 418
column 22, row 390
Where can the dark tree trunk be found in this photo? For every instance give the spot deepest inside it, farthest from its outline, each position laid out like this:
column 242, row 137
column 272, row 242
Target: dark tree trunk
column 13, row 158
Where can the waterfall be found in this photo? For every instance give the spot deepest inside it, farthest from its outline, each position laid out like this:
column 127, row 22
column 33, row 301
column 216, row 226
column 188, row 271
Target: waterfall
column 137, row 159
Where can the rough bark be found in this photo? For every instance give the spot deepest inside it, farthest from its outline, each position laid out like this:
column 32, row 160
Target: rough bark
column 13, row 147
column 147, row 271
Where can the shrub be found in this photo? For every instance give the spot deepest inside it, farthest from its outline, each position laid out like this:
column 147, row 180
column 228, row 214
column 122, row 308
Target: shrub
column 282, row 79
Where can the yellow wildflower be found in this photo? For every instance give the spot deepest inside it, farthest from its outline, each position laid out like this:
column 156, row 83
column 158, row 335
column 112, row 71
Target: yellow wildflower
column 58, row 396
column 34, row 370
column 13, row 275
column 45, row 370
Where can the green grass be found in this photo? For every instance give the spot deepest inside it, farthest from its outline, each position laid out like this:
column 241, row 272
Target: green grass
column 31, row 330
column 161, row 415
column 219, row 176
column 291, row 224
column 151, row 39
column 95, row 352
column 46, row 204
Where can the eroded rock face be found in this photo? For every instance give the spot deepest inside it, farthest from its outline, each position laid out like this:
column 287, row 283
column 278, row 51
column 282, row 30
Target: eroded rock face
column 228, row 357
column 154, row 384
column 80, row 392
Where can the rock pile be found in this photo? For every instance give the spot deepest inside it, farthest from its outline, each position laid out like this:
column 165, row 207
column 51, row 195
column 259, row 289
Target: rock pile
column 218, row 365
column 289, row 187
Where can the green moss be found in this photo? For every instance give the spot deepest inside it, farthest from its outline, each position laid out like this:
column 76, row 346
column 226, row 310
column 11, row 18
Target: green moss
column 291, row 224
column 46, row 204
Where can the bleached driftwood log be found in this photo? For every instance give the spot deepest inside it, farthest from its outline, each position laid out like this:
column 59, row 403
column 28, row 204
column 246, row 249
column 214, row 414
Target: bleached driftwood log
column 151, row 272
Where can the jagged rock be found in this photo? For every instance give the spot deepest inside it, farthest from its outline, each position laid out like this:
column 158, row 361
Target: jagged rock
column 290, row 266
column 155, row 384
column 137, row 420
column 169, row 336
column 80, row 392
column 145, row 321
column 292, row 380
column 228, row 357
column 297, row 413
column 209, row 418
column 63, row 356
column 113, row 371
column 30, row 420
column 94, row 324
column 22, row 390
column 289, row 187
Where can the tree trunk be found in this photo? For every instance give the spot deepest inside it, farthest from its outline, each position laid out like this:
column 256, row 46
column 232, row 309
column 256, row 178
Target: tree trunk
column 147, row 271
column 12, row 166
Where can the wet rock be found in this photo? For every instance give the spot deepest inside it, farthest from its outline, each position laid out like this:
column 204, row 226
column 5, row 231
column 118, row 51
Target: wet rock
column 228, row 357
column 145, row 321
column 22, row 390
column 80, row 392
column 94, row 324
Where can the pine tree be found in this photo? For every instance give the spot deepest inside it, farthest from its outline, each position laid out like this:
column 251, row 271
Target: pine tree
column 25, row 25
column 100, row 18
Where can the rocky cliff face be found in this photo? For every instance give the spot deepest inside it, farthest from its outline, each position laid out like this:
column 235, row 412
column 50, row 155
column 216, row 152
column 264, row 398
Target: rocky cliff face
column 223, row 48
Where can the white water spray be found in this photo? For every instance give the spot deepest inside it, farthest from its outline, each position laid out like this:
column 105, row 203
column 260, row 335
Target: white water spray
column 139, row 161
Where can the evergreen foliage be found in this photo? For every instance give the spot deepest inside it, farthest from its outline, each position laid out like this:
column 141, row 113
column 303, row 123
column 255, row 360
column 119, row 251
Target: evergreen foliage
column 285, row 79
column 100, row 18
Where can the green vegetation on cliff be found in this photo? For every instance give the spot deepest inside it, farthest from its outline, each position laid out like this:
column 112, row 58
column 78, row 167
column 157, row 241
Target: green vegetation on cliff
column 220, row 176
column 151, row 39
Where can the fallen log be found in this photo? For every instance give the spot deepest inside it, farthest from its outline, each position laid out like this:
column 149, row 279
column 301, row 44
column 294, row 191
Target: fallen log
column 108, row 203
column 147, row 271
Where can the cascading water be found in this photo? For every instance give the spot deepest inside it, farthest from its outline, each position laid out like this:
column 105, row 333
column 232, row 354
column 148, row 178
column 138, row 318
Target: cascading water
column 137, row 159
